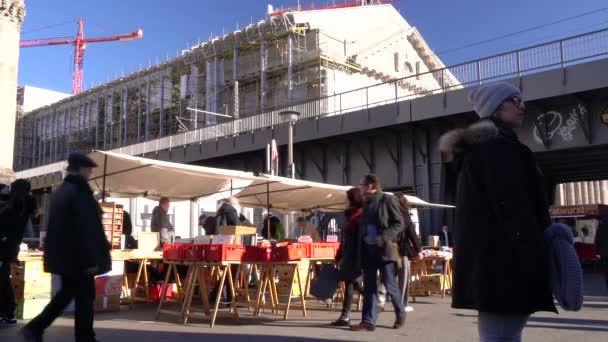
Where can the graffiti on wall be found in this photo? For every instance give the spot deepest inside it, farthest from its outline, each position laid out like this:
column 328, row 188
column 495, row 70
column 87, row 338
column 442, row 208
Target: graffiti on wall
column 554, row 123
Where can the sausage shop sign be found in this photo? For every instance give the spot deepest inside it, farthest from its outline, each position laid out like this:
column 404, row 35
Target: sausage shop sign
column 578, row 210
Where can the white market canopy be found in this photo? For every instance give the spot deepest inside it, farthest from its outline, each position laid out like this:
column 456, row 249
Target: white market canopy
column 127, row 176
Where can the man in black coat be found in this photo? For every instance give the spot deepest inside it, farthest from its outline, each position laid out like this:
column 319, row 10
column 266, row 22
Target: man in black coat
column 501, row 266
column 76, row 249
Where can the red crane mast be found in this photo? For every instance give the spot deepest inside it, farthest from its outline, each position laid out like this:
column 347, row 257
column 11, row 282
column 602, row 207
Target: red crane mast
column 79, row 43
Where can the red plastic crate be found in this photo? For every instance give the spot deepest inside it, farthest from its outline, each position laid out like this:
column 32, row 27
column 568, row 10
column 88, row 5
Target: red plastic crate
column 193, row 252
column 172, row 251
column 323, row 249
column 155, row 292
column 257, row 254
column 224, row 252
column 295, row 251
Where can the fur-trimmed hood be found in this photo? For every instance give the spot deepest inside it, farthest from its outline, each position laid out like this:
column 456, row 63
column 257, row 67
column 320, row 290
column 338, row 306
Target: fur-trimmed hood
column 457, row 140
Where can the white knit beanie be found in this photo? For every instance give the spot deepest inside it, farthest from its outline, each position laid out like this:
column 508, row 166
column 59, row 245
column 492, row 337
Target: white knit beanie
column 487, row 98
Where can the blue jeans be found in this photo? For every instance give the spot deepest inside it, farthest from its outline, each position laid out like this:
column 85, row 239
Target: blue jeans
column 501, row 328
column 373, row 262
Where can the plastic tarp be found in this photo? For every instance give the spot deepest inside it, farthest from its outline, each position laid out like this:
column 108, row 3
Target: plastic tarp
column 128, row 176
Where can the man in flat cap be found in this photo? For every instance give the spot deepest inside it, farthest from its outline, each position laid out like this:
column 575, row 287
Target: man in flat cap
column 76, row 249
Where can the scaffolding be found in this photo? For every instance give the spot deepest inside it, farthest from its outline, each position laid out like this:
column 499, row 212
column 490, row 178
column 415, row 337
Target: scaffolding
column 265, row 66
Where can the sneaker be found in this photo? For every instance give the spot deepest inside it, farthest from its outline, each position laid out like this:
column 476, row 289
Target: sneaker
column 341, row 322
column 29, row 336
column 409, row 309
column 363, row 326
column 7, row 322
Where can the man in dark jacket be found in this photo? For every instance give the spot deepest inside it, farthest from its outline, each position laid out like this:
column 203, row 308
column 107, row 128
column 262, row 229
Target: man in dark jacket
column 380, row 225
column 161, row 223
column 501, row 266
column 601, row 245
column 76, row 249
column 445, row 237
column 227, row 214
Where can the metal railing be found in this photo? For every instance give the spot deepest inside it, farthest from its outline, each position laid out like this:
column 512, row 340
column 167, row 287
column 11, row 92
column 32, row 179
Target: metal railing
column 546, row 56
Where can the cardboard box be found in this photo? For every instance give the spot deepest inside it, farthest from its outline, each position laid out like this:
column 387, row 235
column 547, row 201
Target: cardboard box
column 237, row 230
column 433, row 282
column 108, row 285
column 148, row 241
column 223, row 240
column 28, row 309
column 107, row 303
column 203, row 239
column 32, row 289
column 29, row 270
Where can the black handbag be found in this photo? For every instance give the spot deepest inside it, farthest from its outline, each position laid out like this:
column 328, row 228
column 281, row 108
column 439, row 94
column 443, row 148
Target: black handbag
column 327, row 283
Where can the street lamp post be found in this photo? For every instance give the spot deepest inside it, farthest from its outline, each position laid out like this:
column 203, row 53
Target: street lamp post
column 291, row 116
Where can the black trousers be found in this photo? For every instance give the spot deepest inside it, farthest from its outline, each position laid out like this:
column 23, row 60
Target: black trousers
column 604, row 261
column 82, row 290
column 349, row 292
column 7, row 297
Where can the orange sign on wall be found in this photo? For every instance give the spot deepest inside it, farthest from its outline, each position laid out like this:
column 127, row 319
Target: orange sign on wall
column 577, row 210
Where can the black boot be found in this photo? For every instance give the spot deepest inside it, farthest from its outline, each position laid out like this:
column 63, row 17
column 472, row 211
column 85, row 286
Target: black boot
column 343, row 321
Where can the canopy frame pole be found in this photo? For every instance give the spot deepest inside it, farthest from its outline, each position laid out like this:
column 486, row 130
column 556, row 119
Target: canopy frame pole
column 268, row 209
column 105, row 170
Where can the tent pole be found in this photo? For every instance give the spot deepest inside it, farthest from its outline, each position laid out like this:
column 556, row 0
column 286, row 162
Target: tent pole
column 230, row 187
column 105, row 170
column 268, row 209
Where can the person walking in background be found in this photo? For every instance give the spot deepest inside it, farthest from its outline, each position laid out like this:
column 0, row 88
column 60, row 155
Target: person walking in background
column 501, row 266
column 410, row 248
column 380, row 225
column 445, row 237
column 76, row 249
column 161, row 223
column 305, row 228
column 127, row 231
column 348, row 257
column 601, row 245
column 14, row 217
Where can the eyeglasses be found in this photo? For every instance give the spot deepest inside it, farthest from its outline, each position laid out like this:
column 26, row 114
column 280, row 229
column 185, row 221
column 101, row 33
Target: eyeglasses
column 516, row 100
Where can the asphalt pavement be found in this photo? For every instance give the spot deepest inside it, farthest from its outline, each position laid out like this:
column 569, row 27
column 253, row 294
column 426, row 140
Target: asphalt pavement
column 432, row 320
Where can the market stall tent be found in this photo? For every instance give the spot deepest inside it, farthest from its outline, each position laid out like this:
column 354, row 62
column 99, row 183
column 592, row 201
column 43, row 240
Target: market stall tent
column 126, row 176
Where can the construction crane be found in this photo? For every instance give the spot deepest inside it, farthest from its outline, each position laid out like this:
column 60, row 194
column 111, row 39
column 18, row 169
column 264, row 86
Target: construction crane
column 79, row 43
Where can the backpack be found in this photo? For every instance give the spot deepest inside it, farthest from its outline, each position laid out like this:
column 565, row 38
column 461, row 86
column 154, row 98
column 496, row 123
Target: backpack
column 565, row 268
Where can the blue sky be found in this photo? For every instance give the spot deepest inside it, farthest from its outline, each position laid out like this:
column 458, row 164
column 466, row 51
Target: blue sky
column 169, row 25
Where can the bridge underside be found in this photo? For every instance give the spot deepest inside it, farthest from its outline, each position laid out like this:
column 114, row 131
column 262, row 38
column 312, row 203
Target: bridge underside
column 575, row 165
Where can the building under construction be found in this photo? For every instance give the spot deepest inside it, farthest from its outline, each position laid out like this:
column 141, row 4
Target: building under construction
column 292, row 57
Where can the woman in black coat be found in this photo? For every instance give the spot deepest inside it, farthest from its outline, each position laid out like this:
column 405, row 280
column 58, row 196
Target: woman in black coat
column 348, row 257
column 14, row 217
column 501, row 264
